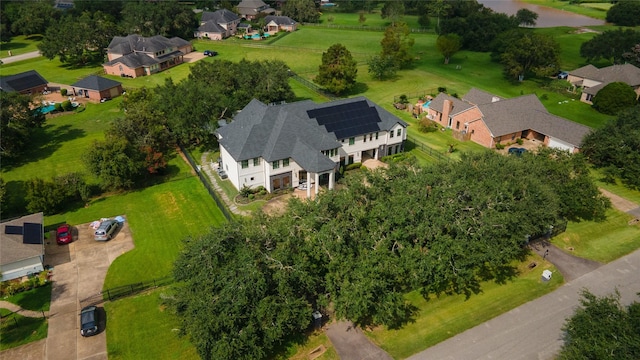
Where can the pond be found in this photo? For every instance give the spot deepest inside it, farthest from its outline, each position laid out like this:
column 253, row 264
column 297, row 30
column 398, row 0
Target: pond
column 547, row 17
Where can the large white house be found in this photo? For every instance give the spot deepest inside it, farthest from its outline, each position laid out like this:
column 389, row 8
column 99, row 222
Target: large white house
column 304, row 143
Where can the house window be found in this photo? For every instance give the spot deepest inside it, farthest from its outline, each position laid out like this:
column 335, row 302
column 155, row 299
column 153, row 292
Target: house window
column 371, row 137
column 399, row 132
column 376, row 135
column 256, row 161
column 391, row 133
column 472, row 132
column 457, row 125
column 275, row 164
column 245, row 164
column 285, row 162
column 513, row 136
column 352, row 140
column 252, row 178
column 364, row 138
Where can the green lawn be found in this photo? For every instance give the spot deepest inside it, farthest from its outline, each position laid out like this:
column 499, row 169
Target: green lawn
column 603, row 242
column 18, row 330
column 37, row 299
column 591, row 10
column 444, row 317
column 20, row 44
column 141, row 327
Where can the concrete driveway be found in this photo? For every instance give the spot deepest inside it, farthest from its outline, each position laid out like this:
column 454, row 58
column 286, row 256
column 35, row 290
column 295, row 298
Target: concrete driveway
column 79, row 270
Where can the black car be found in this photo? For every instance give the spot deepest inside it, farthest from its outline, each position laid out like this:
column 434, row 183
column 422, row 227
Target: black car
column 89, row 321
column 210, row 53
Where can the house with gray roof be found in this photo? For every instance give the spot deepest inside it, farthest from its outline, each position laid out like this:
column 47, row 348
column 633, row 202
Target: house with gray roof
column 303, row 144
column 21, row 246
column 28, row 82
column 135, row 55
column 591, row 79
column 250, row 9
column 217, row 25
column 280, row 23
column 96, row 88
column 488, row 120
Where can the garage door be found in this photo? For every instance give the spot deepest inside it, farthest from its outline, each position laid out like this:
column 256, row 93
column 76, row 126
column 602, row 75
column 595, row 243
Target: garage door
column 559, row 144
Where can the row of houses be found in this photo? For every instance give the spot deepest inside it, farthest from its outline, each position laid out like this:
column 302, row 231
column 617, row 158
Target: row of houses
column 221, row 24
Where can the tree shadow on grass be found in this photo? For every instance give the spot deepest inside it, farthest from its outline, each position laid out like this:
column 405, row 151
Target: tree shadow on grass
column 358, row 88
column 44, row 142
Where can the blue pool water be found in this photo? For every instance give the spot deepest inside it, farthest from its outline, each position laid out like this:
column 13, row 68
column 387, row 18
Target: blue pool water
column 46, row 109
column 426, row 105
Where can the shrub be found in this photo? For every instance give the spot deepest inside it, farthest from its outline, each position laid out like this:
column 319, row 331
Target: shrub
column 520, row 141
column 57, row 107
column 353, row 166
column 425, row 125
column 63, row 92
column 499, row 146
column 66, row 105
column 245, row 191
column 442, row 89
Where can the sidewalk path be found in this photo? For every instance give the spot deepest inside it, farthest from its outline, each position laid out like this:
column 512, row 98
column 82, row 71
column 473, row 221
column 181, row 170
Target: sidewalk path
column 207, row 168
column 25, row 56
column 534, row 330
column 622, row 204
column 352, row 344
column 17, row 309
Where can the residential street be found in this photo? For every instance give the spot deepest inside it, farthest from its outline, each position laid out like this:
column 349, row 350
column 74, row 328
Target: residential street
column 25, row 56
column 533, row 330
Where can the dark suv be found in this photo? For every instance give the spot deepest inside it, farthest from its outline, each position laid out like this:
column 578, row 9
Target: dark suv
column 106, row 230
column 89, row 321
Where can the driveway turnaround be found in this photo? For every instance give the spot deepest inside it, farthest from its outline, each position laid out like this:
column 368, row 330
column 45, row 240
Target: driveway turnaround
column 352, row 344
column 534, row 330
column 79, row 270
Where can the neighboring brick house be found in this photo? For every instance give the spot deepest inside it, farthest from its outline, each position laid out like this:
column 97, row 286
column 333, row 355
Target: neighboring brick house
column 217, row 25
column 21, row 246
column 591, row 79
column 96, row 88
column 286, row 145
column 28, row 82
column 134, row 55
column 280, row 23
column 488, row 119
column 250, row 9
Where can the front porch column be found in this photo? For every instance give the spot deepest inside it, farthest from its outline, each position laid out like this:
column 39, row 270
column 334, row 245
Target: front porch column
column 332, row 175
column 317, row 185
column 309, row 184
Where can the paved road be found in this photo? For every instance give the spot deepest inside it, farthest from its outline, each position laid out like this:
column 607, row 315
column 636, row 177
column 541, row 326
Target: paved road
column 25, row 56
column 533, row 330
column 352, row 344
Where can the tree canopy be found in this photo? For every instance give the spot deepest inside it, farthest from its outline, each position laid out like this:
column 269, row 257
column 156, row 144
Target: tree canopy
column 479, row 28
column 529, row 53
column 615, row 97
column 616, row 147
column 397, row 44
column 338, row 70
column 624, row 13
column 301, row 10
column 602, row 329
column 526, row 17
column 610, row 45
column 244, row 288
column 166, row 18
column 448, row 45
column 17, row 123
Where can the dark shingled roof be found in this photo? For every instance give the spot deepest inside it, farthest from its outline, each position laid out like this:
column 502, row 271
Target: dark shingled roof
column 134, row 61
column 211, row 27
column 13, row 247
column 136, row 43
column 280, row 20
column 250, row 7
column 625, row 73
column 22, row 81
column 527, row 112
column 459, row 106
column 276, row 132
column 94, row 82
column 477, row 97
column 222, row 16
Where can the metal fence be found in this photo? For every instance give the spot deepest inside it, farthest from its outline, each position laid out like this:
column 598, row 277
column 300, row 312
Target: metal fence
column 124, row 291
column 312, row 86
column 413, row 143
column 204, row 178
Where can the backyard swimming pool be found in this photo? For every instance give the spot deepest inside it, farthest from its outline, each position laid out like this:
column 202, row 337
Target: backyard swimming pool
column 46, row 109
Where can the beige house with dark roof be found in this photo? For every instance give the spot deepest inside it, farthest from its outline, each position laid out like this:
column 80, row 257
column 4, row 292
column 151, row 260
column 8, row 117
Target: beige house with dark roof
column 488, row 120
column 250, row 9
column 21, row 246
column 591, row 79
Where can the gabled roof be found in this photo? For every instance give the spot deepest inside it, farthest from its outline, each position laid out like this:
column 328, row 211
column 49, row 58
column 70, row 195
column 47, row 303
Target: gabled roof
column 527, row 112
column 459, row 106
column 477, row 97
column 253, row 7
column 222, row 16
column 13, row 247
column 212, row 27
column 280, row 20
column 136, row 43
column 301, row 130
column 625, row 73
column 134, row 60
column 22, row 81
column 94, row 82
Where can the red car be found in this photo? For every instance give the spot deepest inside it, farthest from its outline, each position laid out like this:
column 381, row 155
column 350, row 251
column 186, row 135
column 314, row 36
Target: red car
column 63, row 235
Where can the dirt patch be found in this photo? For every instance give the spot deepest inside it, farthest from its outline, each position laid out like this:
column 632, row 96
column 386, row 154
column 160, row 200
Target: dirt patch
column 276, row 206
column 193, row 57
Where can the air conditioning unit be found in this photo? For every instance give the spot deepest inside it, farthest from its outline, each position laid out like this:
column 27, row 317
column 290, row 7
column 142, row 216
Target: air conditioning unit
column 430, row 116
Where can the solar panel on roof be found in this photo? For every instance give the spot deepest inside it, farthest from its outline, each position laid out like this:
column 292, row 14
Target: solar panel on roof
column 13, row 230
column 32, row 233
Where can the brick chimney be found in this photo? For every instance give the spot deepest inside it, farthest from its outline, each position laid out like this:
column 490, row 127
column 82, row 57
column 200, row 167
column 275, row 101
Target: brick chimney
column 446, row 110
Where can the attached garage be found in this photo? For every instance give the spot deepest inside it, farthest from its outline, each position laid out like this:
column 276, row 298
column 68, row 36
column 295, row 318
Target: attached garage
column 97, row 88
column 559, row 144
